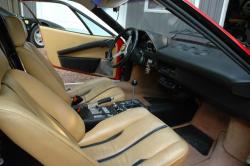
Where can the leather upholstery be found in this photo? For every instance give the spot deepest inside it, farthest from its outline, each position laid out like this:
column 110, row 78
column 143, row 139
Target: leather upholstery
column 91, row 92
column 41, row 97
column 68, row 40
column 18, row 33
column 38, row 139
column 4, row 66
column 36, row 65
column 56, row 133
column 39, row 67
column 45, row 126
column 133, row 125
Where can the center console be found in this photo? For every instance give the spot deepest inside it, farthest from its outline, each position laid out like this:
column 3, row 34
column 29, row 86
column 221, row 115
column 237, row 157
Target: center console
column 95, row 114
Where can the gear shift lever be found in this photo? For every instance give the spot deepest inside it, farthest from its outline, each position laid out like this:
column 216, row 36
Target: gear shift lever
column 134, row 83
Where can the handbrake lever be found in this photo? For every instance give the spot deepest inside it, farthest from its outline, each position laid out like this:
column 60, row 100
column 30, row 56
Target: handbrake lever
column 101, row 101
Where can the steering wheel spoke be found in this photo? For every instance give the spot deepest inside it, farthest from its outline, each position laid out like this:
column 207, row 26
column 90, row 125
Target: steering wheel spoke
column 117, row 54
column 125, row 53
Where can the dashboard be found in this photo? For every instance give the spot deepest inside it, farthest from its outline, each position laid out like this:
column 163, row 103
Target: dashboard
column 147, row 46
column 199, row 67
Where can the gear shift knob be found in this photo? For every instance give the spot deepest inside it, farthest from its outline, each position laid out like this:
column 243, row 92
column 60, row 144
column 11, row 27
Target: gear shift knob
column 134, row 83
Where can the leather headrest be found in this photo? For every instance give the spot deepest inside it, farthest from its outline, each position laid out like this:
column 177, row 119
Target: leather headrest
column 4, row 65
column 17, row 30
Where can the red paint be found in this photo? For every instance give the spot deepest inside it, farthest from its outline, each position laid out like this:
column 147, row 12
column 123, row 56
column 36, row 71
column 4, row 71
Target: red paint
column 243, row 47
column 118, row 70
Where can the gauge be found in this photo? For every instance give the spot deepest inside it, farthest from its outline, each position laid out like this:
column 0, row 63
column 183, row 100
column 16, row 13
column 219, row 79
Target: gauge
column 150, row 46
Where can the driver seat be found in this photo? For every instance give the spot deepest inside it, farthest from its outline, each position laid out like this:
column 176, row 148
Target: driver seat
column 46, row 127
column 39, row 67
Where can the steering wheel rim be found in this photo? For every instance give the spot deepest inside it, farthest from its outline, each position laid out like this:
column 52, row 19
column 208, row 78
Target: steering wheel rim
column 128, row 48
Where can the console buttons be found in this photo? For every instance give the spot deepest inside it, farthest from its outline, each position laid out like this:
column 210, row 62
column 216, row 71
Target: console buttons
column 95, row 110
column 99, row 116
column 105, row 110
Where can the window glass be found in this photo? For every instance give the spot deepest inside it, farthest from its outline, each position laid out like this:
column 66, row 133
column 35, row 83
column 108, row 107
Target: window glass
column 153, row 6
column 157, row 21
column 94, row 28
column 150, row 16
column 144, row 7
column 57, row 16
column 60, row 15
column 91, row 15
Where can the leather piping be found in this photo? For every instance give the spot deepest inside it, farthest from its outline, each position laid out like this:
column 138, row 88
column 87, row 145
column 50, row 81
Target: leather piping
column 133, row 144
column 139, row 162
column 102, row 142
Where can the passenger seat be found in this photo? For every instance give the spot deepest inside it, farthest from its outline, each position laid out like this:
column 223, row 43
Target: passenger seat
column 39, row 67
column 46, row 127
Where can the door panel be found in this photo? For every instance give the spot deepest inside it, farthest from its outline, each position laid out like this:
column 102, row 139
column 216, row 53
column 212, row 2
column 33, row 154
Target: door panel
column 76, row 48
column 88, row 65
column 87, row 46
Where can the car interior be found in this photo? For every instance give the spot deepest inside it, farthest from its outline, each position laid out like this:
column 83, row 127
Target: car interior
column 166, row 110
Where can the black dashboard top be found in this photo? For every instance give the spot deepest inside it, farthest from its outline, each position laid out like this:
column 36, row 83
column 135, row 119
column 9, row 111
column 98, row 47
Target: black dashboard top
column 208, row 61
column 200, row 67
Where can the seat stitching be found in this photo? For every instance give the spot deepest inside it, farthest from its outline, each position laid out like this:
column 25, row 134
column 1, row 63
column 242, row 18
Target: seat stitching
column 104, row 141
column 133, row 144
column 125, row 126
column 50, row 132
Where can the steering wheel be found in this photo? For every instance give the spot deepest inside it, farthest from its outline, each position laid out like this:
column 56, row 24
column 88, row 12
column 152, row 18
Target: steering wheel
column 131, row 36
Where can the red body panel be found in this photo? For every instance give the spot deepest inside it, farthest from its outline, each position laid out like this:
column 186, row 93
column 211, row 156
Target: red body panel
column 118, row 70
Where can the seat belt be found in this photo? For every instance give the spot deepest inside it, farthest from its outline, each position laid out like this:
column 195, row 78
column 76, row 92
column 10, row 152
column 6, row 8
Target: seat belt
column 8, row 47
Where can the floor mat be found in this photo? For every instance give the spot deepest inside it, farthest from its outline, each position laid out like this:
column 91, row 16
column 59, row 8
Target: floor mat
column 199, row 140
column 172, row 112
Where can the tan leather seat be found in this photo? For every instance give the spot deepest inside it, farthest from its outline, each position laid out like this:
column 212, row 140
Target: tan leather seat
column 38, row 66
column 46, row 127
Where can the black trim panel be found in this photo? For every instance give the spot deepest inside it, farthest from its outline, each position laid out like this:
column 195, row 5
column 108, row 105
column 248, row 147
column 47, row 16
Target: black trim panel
column 133, row 144
column 102, row 142
column 139, row 162
column 209, row 30
column 100, row 43
column 80, row 63
column 108, row 19
column 209, row 62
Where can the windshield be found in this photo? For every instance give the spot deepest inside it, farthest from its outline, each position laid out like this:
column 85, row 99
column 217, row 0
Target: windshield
column 149, row 15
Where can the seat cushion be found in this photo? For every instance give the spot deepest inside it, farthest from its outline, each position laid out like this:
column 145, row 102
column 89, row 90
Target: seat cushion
column 39, row 67
column 96, row 89
column 134, row 137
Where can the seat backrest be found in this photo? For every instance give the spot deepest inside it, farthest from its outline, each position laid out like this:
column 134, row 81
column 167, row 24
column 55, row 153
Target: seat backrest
column 39, row 140
column 33, row 61
column 39, row 121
